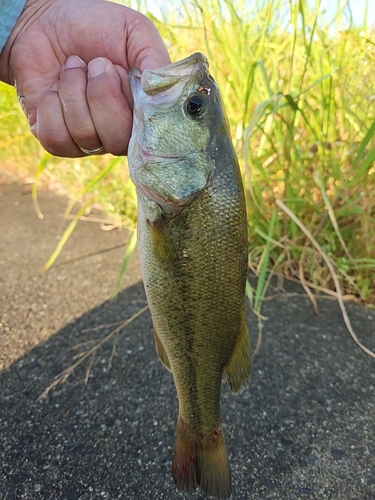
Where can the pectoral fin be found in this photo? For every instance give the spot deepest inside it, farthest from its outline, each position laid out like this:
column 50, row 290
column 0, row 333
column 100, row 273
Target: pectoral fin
column 161, row 241
column 238, row 368
column 161, row 351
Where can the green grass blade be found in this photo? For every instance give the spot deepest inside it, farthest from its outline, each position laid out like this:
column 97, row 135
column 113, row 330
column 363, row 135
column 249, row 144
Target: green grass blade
column 250, row 292
column 103, row 173
column 68, row 231
column 34, row 191
column 129, row 249
column 370, row 134
column 264, row 264
column 367, row 162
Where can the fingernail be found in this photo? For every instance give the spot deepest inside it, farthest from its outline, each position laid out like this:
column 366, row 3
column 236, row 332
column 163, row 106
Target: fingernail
column 74, row 62
column 55, row 86
column 96, row 67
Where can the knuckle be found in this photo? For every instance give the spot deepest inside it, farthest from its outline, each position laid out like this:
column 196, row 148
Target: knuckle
column 117, row 146
column 54, row 143
column 84, row 134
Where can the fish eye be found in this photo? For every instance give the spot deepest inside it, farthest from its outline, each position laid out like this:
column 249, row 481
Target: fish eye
column 195, row 105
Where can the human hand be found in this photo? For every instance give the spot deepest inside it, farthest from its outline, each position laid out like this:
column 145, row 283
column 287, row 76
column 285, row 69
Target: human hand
column 69, row 61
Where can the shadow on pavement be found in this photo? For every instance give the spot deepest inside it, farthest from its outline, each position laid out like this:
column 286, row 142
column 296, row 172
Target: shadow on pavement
column 303, row 429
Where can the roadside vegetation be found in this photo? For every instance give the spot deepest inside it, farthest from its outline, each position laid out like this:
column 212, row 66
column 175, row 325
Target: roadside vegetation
column 298, row 88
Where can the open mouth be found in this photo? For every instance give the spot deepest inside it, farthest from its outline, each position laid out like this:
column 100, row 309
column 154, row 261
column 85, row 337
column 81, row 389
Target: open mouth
column 160, row 80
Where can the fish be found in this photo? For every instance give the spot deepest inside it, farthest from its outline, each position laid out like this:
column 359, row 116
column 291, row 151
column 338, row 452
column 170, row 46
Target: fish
column 193, row 241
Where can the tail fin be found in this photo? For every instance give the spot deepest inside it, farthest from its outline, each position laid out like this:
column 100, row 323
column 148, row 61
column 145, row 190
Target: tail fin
column 201, row 462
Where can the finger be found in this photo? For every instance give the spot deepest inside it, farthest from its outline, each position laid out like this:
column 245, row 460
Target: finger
column 109, row 107
column 50, row 127
column 72, row 93
column 32, row 74
column 145, row 47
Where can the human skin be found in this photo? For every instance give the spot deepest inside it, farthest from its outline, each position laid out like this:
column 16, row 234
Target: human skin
column 69, row 61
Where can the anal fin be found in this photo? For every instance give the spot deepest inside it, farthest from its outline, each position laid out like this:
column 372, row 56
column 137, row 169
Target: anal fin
column 238, row 368
column 161, row 351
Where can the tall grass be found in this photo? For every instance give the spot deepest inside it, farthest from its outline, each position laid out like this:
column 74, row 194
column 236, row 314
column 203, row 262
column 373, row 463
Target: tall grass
column 298, row 89
column 299, row 94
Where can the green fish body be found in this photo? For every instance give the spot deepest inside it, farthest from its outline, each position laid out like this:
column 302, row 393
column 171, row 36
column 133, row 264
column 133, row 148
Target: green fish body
column 193, row 245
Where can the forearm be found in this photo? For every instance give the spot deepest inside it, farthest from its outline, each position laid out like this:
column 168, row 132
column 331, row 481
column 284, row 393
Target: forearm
column 10, row 10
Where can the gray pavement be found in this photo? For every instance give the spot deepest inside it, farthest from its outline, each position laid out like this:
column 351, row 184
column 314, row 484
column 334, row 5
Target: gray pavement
column 303, row 429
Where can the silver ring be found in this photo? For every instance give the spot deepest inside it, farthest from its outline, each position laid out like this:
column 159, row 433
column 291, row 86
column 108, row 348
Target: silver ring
column 96, row 151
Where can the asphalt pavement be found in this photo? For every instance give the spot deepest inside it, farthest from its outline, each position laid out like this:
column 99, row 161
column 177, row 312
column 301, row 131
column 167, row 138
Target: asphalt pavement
column 304, row 428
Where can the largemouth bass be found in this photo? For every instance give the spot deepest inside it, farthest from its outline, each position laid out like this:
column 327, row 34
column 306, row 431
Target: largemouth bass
column 193, row 246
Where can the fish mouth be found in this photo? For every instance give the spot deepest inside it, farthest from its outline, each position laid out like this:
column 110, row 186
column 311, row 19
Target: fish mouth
column 157, row 81
column 152, row 158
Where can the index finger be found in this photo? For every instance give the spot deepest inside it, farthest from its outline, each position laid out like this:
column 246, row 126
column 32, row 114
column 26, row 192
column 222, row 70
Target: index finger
column 145, row 48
